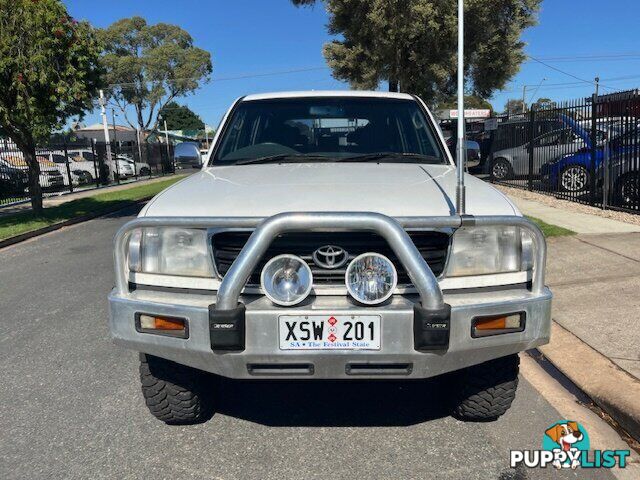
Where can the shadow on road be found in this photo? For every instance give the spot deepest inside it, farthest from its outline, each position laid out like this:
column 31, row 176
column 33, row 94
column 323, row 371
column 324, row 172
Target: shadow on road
column 333, row 403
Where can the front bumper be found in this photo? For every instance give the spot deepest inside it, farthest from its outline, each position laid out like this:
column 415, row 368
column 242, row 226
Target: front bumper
column 262, row 357
column 403, row 319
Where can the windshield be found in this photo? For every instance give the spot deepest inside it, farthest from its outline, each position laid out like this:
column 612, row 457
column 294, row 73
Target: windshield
column 328, row 129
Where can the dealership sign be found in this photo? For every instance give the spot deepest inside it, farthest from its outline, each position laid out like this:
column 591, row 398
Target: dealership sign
column 471, row 113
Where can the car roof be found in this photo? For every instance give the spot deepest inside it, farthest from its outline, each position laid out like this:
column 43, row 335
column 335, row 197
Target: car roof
column 327, row 93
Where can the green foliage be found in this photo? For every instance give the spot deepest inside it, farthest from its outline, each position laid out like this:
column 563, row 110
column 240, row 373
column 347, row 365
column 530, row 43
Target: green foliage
column 514, row 105
column 147, row 66
column 551, row 230
column 544, row 103
column 49, row 71
column 180, row 117
column 413, row 43
column 470, row 101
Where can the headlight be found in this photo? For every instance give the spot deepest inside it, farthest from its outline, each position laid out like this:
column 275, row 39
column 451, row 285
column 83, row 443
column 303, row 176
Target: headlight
column 371, row 278
column 286, row 280
column 170, row 251
column 487, row 250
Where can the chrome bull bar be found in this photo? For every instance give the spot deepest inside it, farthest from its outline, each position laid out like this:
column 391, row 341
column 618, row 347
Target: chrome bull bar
column 391, row 229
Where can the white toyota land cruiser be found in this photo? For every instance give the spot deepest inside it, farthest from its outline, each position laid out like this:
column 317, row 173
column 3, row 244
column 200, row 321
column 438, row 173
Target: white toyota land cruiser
column 321, row 241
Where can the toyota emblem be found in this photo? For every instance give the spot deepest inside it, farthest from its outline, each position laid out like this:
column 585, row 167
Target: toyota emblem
column 330, row 257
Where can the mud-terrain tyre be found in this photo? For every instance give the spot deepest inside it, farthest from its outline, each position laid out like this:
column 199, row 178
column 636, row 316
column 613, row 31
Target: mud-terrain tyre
column 484, row 392
column 174, row 393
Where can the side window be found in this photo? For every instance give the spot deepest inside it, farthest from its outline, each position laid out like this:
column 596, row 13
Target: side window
column 58, row 158
column 547, row 140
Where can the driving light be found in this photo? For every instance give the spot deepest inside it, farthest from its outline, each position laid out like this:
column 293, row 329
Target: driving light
column 371, row 278
column 487, row 250
column 286, row 280
column 170, row 251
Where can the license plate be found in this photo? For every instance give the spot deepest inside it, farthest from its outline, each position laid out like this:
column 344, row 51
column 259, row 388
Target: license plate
column 329, row 332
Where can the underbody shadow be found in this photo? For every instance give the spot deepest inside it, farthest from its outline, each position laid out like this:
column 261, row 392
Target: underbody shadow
column 333, row 403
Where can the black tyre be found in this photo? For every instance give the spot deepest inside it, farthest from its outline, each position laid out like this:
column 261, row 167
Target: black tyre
column 484, row 392
column 174, row 393
column 627, row 190
column 145, row 172
column 574, row 179
column 501, row 169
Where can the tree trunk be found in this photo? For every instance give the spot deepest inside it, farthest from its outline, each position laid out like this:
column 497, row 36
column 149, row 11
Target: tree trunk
column 29, row 152
column 393, row 84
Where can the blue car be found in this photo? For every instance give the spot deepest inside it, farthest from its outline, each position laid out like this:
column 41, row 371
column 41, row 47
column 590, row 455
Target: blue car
column 572, row 172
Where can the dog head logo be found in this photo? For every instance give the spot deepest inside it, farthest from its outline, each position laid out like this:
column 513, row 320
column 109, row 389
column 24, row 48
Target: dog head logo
column 569, row 437
column 565, row 434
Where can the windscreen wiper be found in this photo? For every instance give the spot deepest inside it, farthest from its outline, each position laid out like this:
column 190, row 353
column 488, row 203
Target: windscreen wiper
column 390, row 155
column 281, row 157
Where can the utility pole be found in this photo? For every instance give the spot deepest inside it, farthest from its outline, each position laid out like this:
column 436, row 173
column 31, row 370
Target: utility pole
column 166, row 139
column 524, row 99
column 462, row 144
column 105, row 124
column 597, row 79
column 206, row 135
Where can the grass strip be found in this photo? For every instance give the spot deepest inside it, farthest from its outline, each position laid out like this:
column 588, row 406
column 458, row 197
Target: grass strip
column 551, row 230
column 24, row 222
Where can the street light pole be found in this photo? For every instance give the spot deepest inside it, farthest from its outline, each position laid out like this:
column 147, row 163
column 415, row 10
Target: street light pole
column 105, row 125
column 524, row 99
column 461, row 149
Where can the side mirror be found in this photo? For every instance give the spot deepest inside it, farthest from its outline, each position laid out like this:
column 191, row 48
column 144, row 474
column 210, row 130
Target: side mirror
column 187, row 154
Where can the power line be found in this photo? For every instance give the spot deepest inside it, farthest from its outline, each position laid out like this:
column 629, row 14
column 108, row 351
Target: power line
column 567, row 73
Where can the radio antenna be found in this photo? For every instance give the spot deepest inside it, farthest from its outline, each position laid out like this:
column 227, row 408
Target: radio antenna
column 461, row 150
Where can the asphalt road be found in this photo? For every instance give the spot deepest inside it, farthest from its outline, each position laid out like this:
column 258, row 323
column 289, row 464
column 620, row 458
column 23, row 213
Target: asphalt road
column 71, row 407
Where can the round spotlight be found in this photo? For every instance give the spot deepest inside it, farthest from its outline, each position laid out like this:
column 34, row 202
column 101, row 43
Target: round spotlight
column 371, row 278
column 286, row 280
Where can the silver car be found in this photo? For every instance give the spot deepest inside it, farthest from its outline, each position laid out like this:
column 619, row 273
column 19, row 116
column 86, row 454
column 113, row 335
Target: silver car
column 513, row 162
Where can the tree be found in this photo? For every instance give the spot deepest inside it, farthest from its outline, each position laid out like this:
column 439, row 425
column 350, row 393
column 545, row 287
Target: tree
column 544, row 104
column 147, row 66
column 180, row 117
column 470, row 101
column 412, row 44
column 49, row 71
column 514, row 105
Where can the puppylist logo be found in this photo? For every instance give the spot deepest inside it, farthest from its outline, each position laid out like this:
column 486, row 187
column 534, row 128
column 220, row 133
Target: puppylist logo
column 565, row 444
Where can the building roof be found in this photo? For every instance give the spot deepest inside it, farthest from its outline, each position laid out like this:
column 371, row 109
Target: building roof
column 98, row 126
column 328, row 93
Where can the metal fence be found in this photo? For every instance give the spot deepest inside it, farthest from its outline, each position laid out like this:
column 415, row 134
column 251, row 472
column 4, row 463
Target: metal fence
column 67, row 166
column 584, row 151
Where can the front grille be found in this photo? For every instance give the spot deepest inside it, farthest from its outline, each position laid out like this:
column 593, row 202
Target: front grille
column 433, row 247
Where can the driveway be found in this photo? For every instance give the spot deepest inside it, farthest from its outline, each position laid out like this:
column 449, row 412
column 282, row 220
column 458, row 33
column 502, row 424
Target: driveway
column 71, row 407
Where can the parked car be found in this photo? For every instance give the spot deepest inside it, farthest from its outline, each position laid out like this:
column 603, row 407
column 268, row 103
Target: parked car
column 80, row 175
column 515, row 161
column 142, row 169
column 50, row 176
column 572, row 172
column 12, row 180
column 320, row 241
column 624, row 176
column 108, row 170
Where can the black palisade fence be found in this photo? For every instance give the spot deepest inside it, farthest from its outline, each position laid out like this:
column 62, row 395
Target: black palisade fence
column 583, row 150
column 71, row 165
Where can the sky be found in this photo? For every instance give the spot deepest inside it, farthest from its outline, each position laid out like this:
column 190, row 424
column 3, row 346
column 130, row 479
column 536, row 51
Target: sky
column 254, row 42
